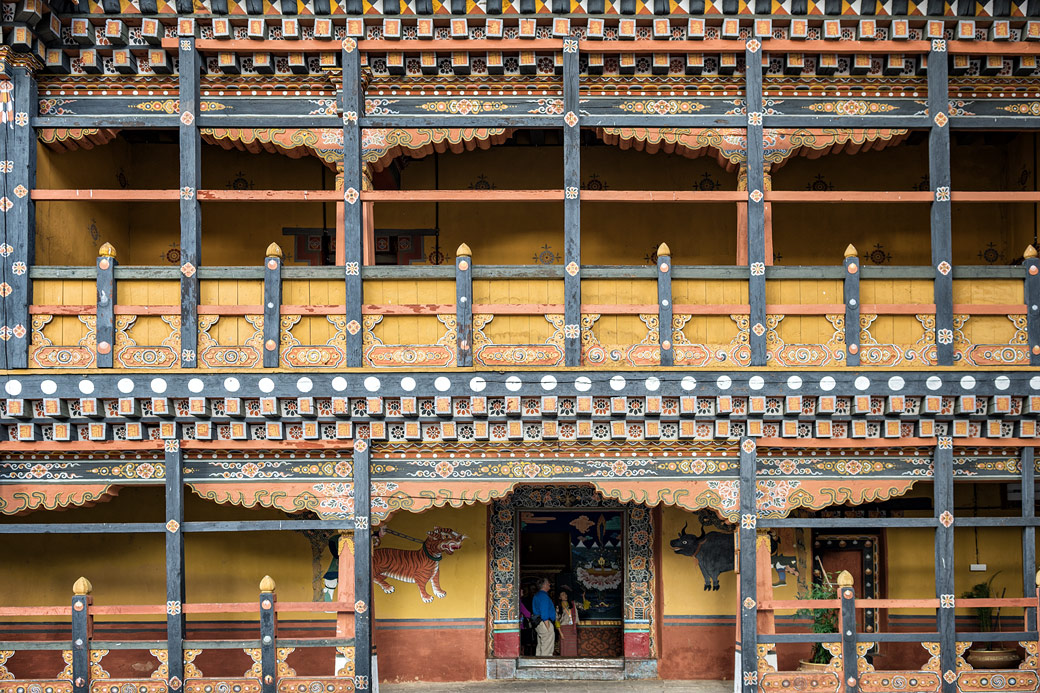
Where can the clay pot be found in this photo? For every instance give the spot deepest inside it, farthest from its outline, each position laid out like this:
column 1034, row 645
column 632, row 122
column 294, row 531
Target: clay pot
column 998, row 658
column 811, row 666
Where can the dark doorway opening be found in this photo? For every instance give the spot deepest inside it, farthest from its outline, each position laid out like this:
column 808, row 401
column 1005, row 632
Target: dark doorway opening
column 582, row 553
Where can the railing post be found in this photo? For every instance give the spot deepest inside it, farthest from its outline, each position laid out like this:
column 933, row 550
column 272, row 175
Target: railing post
column 849, row 653
column 942, row 215
column 174, row 460
column 268, row 653
column 1032, row 300
column 664, row 303
column 571, row 204
column 851, row 298
column 20, row 213
column 1028, row 470
column 362, row 568
column 756, row 185
column 81, row 627
column 748, row 568
column 352, row 240
column 272, row 305
column 464, row 305
column 106, row 304
column 190, row 141
column 942, row 487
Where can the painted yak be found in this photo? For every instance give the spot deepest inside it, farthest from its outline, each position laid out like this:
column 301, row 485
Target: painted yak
column 713, row 551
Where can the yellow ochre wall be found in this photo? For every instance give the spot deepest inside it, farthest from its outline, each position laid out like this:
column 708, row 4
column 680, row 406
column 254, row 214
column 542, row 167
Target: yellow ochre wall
column 532, row 232
column 130, row 568
column 233, row 233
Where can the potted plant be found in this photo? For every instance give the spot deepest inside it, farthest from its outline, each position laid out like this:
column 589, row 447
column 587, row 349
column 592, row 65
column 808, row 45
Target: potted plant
column 823, row 620
column 989, row 655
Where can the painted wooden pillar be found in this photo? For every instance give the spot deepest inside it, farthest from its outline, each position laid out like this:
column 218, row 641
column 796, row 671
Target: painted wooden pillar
column 944, row 585
column 1032, row 301
column 571, row 204
column 942, row 219
column 81, row 601
column 268, row 653
column 748, row 569
column 105, row 327
column 190, row 177
column 362, row 568
column 272, row 306
column 464, row 306
column 353, row 226
column 756, row 210
column 851, row 300
column 20, row 213
column 1029, row 533
column 174, row 562
column 664, row 303
column 6, row 195
column 847, row 623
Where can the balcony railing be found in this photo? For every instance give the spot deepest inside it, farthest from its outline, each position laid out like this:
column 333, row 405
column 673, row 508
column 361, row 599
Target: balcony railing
column 495, row 317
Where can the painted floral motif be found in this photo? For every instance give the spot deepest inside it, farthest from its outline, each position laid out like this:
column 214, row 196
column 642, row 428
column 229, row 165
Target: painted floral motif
column 464, row 106
column 662, row 106
column 852, row 107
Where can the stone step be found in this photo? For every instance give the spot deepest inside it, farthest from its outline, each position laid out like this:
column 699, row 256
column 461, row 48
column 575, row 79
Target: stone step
column 557, row 668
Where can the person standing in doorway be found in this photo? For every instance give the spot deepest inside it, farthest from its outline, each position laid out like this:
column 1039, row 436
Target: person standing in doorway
column 544, row 613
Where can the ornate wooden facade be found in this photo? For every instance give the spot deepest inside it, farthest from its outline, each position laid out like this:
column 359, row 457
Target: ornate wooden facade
column 760, row 391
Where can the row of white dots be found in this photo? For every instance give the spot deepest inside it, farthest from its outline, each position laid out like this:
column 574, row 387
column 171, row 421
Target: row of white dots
column 513, row 383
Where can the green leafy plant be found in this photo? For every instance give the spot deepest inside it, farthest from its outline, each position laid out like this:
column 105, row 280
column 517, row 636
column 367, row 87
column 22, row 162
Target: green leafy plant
column 985, row 614
column 823, row 620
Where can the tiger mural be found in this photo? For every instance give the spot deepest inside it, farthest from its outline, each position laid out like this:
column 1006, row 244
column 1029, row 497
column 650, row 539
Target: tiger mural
column 419, row 566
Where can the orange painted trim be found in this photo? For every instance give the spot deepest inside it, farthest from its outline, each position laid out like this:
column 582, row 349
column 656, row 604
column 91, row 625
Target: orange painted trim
column 984, row 602
column 989, row 309
column 315, row 606
column 329, row 309
column 372, row 45
column 149, row 310
column 37, row 610
column 805, row 309
column 849, row 196
column 408, row 309
column 899, row 603
column 892, row 442
column 85, row 446
column 271, row 195
column 221, row 608
column 124, row 609
column 662, row 196
column 460, row 195
column 996, row 196
column 321, row 445
column 249, row 607
column 64, row 310
column 777, row 604
column 614, row 309
column 992, row 48
column 69, row 194
column 227, row 310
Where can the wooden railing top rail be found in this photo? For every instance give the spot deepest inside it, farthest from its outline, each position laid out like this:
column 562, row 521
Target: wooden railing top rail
column 973, row 602
column 483, row 272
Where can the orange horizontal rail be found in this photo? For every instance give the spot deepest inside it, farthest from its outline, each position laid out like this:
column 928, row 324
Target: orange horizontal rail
column 167, row 195
column 995, row 602
column 36, row 610
column 663, row 196
column 833, row 196
column 460, row 195
column 124, row 609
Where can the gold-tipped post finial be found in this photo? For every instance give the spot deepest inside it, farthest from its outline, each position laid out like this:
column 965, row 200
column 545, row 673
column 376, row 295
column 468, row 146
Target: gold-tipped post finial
column 274, row 250
column 464, row 251
column 267, row 584
column 107, row 250
column 82, row 587
column 663, row 249
column 844, row 579
column 851, row 251
column 1029, row 252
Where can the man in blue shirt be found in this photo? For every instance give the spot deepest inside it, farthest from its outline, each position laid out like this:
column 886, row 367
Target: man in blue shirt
column 542, row 607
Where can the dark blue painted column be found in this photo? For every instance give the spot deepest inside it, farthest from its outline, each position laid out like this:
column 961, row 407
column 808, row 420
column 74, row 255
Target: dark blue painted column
column 190, row 176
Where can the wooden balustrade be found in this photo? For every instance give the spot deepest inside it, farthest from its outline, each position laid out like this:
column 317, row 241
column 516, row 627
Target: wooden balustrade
column 267, row 650
column 513, row 316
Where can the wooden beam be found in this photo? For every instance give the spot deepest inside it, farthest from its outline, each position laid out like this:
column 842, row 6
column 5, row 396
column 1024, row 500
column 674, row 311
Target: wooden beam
column 941, row 212
column 571, row 204
column 664, row 304
column 1028, row 465
column 464, row 306
column 353, row 223
column 748, row 593
column 174, row 561
column 945, row 591
column 756, row 216
column 20, row 221
column 850, row 296
column 105, row 309
column 362, row 568
column 190, row 209
column 1031, row 291
column 272, row 308
column 7, row 224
